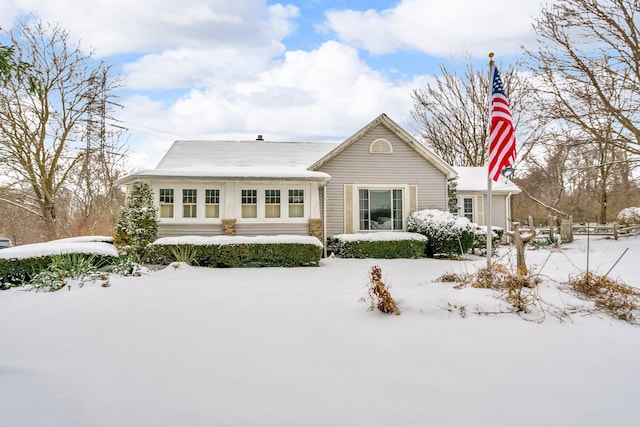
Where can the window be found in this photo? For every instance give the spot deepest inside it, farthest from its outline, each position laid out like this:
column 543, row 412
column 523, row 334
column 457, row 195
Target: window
column 249, row 203
column 189, row 203
column 467, row 208
column 296, row 203
column 166, row 203
column 381, row 146
column 212, row 203
column 380, row 209
column 272, row 203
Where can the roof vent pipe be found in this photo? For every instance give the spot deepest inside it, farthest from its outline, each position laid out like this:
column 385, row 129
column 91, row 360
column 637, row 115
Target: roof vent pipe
column 259, row 138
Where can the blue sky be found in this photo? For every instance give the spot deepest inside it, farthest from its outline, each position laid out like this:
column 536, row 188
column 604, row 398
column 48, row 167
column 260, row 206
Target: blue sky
column 299, row 70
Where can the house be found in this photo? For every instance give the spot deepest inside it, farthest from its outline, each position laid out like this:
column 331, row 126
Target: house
column 370, row 182
column 472, row 197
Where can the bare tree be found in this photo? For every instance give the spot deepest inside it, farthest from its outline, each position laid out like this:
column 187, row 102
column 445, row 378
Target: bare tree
column 587, row 50
column 41, row 132
column 453, row 113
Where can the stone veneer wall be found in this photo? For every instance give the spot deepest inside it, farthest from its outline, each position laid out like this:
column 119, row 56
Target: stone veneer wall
column 229, row 227
column 315, row 227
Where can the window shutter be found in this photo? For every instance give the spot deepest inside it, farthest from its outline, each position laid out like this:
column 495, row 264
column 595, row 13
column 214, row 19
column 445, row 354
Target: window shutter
column 480, row 217
column 348, row 208
column 413, row 198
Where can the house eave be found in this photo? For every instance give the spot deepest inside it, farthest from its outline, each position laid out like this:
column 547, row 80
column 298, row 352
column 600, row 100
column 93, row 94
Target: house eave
column 309, row 176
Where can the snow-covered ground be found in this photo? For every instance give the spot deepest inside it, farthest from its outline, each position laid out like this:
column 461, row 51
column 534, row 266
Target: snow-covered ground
column 189, row 346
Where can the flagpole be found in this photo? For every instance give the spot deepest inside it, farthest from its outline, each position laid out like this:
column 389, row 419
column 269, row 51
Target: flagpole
column 489, row 183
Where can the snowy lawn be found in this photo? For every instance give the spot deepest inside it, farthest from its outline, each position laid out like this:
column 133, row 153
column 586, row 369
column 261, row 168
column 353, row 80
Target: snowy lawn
column 191, row 346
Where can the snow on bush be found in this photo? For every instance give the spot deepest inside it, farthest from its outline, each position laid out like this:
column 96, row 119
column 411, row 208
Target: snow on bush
column 237, row 240
column 448, row 235
column 137, row 225
column 629, row 216
column 480, row 238
column 383, row 244
column 59, row 247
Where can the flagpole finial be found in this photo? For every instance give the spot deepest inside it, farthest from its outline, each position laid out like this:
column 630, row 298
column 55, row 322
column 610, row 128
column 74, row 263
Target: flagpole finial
column 491, row 55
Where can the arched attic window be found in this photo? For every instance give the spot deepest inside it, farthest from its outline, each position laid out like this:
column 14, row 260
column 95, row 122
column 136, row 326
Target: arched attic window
column 381, row 146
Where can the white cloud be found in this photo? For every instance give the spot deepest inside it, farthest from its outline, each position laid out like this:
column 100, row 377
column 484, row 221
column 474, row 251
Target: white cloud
column 124, row 26
column 220, row 69
column 325, row 94
column 439, row 28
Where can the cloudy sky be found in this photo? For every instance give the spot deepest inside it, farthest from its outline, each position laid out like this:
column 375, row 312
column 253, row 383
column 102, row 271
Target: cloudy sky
column 299, row 70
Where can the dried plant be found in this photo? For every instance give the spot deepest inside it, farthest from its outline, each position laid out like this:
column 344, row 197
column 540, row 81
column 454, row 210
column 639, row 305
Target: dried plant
column 517, row 289
column 610, row 296
column 379, row 293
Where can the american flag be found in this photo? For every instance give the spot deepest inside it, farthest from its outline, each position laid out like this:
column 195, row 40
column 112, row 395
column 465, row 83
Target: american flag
column 502, row 137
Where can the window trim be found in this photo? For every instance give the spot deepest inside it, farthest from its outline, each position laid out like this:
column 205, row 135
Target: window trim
column 162, row 204
column 211, row 204
column 295, row 204
column 284, row 205
column 404, row 191
column 190, row 194
column 380, row 146
column 272, row 199
column 472, row 212
column 247, row 204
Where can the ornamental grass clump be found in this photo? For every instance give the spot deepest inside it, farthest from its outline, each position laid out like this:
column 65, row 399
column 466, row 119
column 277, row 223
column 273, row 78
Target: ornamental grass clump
column 65, row 268
column 516, row 289
column 610, row 296
column 379, row 293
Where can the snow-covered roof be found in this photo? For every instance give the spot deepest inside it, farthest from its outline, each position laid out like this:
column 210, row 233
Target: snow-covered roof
column 204, row 154
column 475, row 179
column 239, row 159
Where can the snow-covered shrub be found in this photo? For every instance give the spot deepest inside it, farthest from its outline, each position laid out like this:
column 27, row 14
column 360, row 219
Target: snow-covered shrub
column 187, row 254
column 480, row 238
column 385, row 244
column 23, row 269
column 18, row 271
column 629, row 216
column 64, row 268
column 137, row 226
column 448, row 235
column 127, row 265
column 237, row 251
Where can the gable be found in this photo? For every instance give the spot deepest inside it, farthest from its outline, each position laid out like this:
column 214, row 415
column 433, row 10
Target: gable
column 380, row 156
column 382, row 136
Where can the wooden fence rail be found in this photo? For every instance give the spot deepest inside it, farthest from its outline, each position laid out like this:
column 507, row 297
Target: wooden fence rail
column 613, row 230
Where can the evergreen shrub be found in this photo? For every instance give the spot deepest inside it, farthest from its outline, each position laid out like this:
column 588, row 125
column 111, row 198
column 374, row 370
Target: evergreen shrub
column 137, row 224
column 237, row 254
column 21, row 271
column 448, row 235
column 404, row 245
column 480, row 240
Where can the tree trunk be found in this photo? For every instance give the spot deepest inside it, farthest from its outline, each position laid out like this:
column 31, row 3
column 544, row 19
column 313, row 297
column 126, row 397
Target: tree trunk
column 49, row 216
column 520, row 240
column 603, row 201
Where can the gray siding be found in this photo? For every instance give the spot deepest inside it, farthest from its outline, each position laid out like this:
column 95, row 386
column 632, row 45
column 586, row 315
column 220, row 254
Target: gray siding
column 355, row 165
column 499, row 211
column 498, row 208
